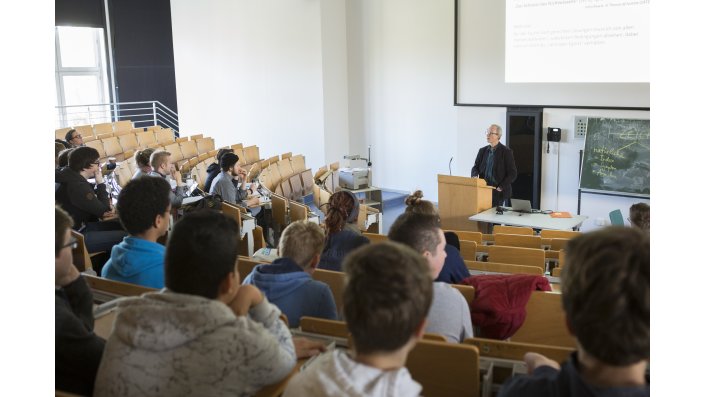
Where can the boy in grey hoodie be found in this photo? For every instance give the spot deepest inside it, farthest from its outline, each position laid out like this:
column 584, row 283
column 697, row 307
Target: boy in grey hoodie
column 205, row 335
column 387, row 296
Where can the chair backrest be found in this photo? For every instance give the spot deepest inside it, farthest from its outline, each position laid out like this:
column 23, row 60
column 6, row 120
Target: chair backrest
column 298, row 211
column 189, row 149
column 279, row 209
column 307, row 181
column 616, row 218
column 251, row 154
column 517, row 255
column 232, row 211
column 336, row 282
column 60, row 133
column 507, row 268
column 146, row 138
column 164, row 136
column 376, row 238
column 324, row 327
column 434, row 337
column 123, row 173
column 181, row 139
column 517, row 240
column 285, row 168
column 128, row 142
column 286, row 188
column 556, row 272
column 512, row 350
column 245, row 265
column 175, row 151
column 297, row 189
column 97, row 145
column 467, row 291
column 468, row 250
column 102, row 128
column 558, row 244
column 84, row 130
column 286, row 155
column 106, row 135
column 499, row 229
column 236, row 146
column 122, row 132
column 115, row 288
column 325, row 196
column 195, row 137
column 468, row 236
column 445, row 369
column 124, row 125
column 567, row 234
column 205, row 145
column 545, row 322
column 81, row 258
column 275, row 177
column 112, row 146
column 298, row 163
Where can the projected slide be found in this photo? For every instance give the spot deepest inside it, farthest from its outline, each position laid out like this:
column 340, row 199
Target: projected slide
column 577, row 41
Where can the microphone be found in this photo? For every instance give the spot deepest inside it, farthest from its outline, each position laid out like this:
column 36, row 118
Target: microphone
column 449, row 170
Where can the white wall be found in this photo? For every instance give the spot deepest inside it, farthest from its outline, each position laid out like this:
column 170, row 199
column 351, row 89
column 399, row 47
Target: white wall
column 251, row 72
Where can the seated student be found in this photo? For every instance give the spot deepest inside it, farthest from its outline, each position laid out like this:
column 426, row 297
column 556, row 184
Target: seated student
column 88, row 204
column 77, row 349
column 142, row 159
column 214, row 169
column 231, row 176
column 605, row 294
column 640, row 216
column 162, row 167
column 63, row 158
column 143, row 207
column 387, row 297
column 74, row 138
column 205, row 335
column 454, row 269
column 287, row 282
column 449, row 314
column 342, row 233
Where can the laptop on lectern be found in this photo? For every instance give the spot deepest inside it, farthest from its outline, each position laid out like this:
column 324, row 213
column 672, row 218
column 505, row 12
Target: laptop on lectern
column 521, row 205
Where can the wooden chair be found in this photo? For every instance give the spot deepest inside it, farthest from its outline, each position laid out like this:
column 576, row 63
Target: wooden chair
column 115, row 288
column 506, row 268
column 498, row 229
column 298, row 211
column 325, row 196
column 146, row 138
column 468, row 250
column 175, row 151
column 512, row 350
column 322, row 326
column 286, row 189
column 445, row 369
column 517, row 255
column 122, row 132
column 376, row 238
column 124, row 125
column 128, row 142
column 468, row 236
column 336, row 282
column 244, row 266
column 545, row 322
column 467, row 291
column 84, row 130
column 205, row 145
column 285, row 168
column 112, row 148
column 517, row 240
column 97, row 145
column 195, row 137
column 164, row 136
column 236, row 146
column 567, row 234
column 232, row 211
column 81, row 258
column 307, row 181
column 298, row 163
column 189, row 149
column 251, row 154
column 434, row 337
column 60, row 133
column 181, row 139
column 286, row 155
column 297, row 189
column 240, row 155
column 102, row 128
column 558, row 244
column 105, row 135
column 279, row 209
column 123, row 174
column 556, row 272
column 258, row 236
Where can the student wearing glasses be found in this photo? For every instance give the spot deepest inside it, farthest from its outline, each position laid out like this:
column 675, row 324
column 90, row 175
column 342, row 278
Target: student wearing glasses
column 86, row 203
column 495, row 164
column 74, row 138
column 77, row 348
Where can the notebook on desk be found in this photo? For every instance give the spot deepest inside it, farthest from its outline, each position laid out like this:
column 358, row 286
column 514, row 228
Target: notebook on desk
column 521, row 205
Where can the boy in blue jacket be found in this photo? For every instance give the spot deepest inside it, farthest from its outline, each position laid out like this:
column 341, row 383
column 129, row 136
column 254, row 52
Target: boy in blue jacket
column 287, row 282
column 143, row 207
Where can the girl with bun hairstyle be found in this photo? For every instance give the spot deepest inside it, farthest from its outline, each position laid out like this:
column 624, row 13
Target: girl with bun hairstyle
column 342, row 233
column 454, row 269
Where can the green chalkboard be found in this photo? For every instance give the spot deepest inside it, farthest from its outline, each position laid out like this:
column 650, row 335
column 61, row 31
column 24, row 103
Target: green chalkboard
column 616, row 157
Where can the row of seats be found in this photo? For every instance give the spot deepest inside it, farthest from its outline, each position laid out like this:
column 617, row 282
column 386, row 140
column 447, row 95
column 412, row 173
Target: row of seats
column 93, row 131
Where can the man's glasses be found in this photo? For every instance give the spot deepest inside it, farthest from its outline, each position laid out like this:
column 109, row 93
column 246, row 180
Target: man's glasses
column 491, row 133
column 73, row 244
column 96, row 162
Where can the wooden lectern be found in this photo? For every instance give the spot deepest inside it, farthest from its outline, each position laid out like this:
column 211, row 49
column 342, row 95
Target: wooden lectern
column 459, row 198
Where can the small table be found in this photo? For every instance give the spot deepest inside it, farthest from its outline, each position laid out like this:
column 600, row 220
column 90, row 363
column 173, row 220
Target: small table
column 533, row 220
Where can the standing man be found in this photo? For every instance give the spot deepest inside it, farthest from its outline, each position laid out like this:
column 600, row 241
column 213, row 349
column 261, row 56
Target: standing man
column 74, row 138
column 495, row 164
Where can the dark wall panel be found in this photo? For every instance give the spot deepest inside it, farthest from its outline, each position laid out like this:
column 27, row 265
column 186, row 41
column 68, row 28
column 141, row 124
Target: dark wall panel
column 143, row 51
column 80, row 13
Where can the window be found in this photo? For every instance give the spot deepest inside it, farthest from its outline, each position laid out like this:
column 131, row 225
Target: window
column 81, row 76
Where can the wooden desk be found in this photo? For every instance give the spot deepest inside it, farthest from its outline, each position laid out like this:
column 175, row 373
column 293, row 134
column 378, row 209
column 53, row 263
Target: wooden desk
column 534, row 220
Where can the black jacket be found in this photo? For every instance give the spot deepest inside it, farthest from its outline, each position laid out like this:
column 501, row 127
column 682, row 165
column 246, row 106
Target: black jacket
column 77, row 349
column 213, row 170
column 79, row 198
column 504, row 169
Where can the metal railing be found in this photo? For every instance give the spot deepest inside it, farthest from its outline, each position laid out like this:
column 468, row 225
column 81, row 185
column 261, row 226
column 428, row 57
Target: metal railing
column 141, row 114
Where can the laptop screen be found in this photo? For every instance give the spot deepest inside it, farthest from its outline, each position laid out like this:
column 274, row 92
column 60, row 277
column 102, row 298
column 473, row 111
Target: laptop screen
column 521, row 205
